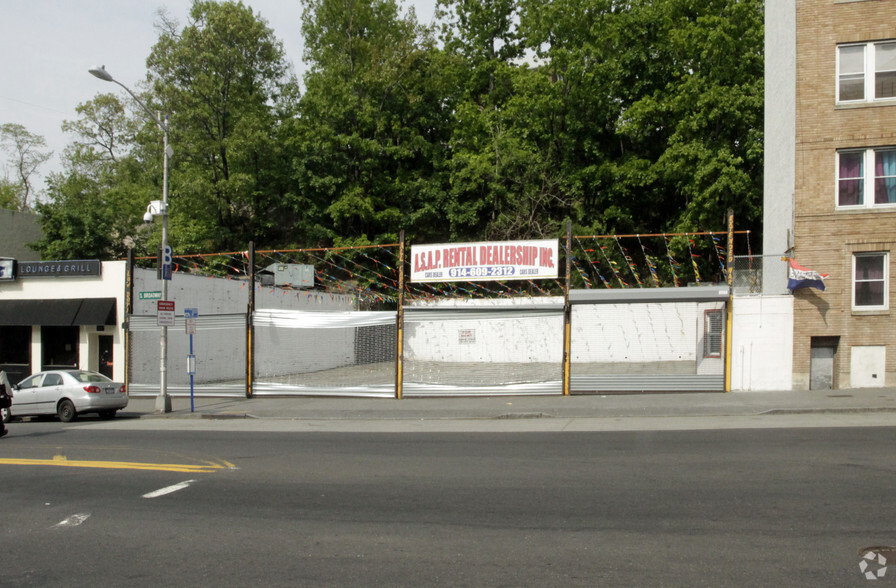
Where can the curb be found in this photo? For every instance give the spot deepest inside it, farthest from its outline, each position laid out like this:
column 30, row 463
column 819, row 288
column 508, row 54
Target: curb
column 508, row 416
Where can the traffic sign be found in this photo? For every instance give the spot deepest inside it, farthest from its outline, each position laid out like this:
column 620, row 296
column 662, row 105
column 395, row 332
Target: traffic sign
column 165, row 313
column 152, row 295
column 190, row 315
column 167, row 262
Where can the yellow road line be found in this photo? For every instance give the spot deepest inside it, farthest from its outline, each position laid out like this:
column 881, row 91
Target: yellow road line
column 61, row 460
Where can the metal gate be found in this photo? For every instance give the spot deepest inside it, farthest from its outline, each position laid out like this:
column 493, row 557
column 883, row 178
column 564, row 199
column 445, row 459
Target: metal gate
column 488, row 350
column 306, row 353
column 651, row 339
column 219, row 345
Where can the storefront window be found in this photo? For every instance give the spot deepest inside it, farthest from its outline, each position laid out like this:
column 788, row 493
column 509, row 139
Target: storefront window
column 60, row 347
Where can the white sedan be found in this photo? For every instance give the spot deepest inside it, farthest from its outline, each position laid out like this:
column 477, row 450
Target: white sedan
column 66, row 393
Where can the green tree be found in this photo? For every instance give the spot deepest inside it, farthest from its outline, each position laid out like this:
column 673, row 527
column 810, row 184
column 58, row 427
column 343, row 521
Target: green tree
column 504, row 178
column 574, row 108
column 655, row 111
column 95, row 205
column 105, row 127
column 9, row 194
column 223, row 77
column 689, row 126
column 25, row 154
column 371, row 130
column 713, row 157
column 622, row 116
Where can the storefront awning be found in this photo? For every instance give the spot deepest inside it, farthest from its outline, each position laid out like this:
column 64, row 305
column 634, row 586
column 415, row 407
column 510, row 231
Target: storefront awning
column 58, row 313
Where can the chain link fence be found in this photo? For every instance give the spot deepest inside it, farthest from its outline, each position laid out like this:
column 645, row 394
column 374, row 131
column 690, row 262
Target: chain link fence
column 760, row 274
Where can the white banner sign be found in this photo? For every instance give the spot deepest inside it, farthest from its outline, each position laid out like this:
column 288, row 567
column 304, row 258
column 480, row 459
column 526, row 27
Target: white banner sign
column 478, row 262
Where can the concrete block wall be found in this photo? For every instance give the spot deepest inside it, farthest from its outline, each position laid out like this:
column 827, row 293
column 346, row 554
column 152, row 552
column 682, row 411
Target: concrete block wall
column 223, row 296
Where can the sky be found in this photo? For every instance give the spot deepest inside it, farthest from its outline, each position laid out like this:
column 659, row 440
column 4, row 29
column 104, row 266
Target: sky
column 48, row 46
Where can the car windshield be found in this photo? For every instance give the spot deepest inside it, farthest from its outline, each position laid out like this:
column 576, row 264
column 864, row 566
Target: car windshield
column 88, row 377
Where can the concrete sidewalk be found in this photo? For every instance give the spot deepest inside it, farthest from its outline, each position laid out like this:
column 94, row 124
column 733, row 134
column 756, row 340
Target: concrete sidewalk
column 515, row 414
column 853, row 401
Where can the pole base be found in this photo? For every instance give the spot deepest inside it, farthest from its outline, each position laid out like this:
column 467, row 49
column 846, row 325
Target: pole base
column 163, row 403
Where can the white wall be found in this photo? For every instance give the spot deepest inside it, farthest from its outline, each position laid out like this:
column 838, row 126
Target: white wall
column 224, row 296
column 512, row 339
column 464, row 337
column 762, row 343
column 621, row 333
column 780, row 135
column 601, row 333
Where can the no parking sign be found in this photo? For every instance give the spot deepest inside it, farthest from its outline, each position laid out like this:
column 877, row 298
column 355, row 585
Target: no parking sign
column 165, row 313
column 190, row 315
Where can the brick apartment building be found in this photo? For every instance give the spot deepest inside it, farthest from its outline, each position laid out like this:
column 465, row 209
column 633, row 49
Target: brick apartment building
column 830, row 184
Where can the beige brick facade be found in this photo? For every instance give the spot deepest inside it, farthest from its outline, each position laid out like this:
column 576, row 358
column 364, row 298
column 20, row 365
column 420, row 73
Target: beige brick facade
column 825, row 238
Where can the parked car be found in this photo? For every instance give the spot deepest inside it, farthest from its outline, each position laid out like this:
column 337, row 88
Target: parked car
column 66, row 393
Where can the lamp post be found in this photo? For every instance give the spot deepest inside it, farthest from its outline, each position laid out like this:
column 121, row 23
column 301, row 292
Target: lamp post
column 163, row 401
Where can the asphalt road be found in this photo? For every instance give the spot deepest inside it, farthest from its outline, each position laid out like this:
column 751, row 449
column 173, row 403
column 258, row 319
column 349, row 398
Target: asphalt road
column 83, row 506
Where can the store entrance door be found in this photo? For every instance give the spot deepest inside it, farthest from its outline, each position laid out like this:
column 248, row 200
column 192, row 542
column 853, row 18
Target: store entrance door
column 105, row 348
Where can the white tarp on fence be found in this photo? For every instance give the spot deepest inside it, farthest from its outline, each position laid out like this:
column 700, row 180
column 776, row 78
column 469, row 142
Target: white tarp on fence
column 324, row 353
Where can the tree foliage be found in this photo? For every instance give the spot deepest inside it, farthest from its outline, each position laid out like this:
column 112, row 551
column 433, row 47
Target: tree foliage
column 221, row 77
column 96, row 203
column 369, row 137
column 25, row 152
column 502, row 120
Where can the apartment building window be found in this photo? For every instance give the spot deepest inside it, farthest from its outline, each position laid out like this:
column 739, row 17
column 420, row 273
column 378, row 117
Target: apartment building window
column 853, row 182
column 870, row 278
column 866, row 72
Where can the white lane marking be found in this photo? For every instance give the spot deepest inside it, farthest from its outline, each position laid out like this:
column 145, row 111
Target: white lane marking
column 168, row 490
column 74, row 520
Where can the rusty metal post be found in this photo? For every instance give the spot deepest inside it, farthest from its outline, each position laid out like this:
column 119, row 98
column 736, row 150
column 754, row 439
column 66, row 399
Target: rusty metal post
column 730, row 309
column 567, row 310
column 128, row 311
column 250, row 328
column 399, row 347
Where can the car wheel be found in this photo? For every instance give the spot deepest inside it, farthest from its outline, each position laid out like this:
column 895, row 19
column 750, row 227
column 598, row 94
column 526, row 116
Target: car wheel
column 66, row 411
column 107, row 414
column 5, row 414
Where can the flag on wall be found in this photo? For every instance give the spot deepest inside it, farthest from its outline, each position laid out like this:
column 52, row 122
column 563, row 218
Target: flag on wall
column 800, row 277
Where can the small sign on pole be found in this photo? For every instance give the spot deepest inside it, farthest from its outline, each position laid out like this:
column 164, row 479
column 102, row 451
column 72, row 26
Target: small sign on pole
column 190, row 315
column 167, row 262
column 165, row 313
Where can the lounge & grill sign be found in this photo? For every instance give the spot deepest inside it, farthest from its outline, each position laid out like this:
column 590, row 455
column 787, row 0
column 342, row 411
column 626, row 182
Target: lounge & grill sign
column 59, row 269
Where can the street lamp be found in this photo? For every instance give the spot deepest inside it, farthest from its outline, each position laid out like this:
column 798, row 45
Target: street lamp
column 163, row 401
